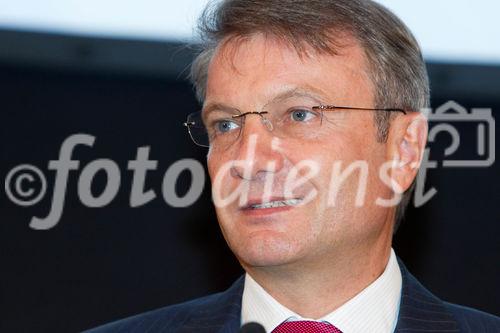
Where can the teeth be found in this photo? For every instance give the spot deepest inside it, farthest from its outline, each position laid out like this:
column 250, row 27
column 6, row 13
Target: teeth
column 274, row 204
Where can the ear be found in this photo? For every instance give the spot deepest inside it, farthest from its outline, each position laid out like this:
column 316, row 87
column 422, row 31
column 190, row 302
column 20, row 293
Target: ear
column 406, row 145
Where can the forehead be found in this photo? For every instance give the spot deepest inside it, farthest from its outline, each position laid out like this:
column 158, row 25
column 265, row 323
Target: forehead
column 257, row 68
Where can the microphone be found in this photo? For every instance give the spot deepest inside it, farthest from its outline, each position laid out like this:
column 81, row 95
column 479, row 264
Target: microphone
column 252, row 328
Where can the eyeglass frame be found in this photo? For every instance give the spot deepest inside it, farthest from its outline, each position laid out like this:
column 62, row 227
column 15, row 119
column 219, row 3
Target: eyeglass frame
column 316, row 107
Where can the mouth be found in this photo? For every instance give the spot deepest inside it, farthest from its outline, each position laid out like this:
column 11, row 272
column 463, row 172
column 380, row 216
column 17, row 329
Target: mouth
column 273, row 204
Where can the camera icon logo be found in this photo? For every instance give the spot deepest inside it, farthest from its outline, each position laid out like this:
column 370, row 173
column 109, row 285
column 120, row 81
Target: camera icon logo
column 451, row 114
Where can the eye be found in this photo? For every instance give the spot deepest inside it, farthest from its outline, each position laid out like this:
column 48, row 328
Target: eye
column 301, row 115
column 224, row 126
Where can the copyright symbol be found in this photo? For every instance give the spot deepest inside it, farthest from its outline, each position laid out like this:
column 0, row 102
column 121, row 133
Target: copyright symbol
column 25, row 185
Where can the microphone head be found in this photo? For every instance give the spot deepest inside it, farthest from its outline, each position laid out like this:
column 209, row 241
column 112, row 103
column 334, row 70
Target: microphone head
column 252, row 328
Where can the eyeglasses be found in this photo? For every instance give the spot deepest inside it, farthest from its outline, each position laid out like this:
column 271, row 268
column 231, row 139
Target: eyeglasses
column 221, row 129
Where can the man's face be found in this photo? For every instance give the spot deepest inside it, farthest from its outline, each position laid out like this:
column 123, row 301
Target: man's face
column 256, row 73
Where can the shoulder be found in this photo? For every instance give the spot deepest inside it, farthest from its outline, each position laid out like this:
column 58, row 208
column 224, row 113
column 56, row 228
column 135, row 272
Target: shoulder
column 472, row 320
column 420, row 310
column 173, row 317
column 213, row 309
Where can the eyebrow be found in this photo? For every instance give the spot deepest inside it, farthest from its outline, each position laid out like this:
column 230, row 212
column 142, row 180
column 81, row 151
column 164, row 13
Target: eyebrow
column 306, row 91
column 219, row 107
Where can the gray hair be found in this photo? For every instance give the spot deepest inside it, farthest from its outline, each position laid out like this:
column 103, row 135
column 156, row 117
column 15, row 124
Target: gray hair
column 395, row 61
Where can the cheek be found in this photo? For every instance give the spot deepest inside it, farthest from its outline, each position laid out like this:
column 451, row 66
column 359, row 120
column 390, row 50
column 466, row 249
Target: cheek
column 220, row 172
column 211, row 163
column 212, row 167
column 348, row 167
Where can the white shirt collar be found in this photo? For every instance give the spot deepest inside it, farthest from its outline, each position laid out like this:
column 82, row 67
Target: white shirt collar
column 375, row 309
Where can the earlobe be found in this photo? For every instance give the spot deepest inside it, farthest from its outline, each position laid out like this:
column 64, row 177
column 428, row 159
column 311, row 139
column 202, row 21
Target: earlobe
column 416, row 138
column 408, row 148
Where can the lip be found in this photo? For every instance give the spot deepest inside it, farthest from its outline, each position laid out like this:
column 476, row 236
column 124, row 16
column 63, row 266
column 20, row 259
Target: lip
column 266, row 211
column 248, row 210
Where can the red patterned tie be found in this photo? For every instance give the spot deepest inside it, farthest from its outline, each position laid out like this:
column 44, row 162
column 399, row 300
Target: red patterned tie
column 306, row 326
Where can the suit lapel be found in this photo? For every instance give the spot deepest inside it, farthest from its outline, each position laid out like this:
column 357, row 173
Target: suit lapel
column 420, row 310
column 232, row 320
column 223, row 316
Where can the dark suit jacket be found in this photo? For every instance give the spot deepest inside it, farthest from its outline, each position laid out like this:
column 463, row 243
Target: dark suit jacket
column 420, row 311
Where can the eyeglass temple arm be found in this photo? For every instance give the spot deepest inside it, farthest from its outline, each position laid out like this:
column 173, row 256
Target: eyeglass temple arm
column 333, row 107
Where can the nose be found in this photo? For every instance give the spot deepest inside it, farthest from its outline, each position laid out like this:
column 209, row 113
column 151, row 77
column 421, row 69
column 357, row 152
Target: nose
column 263, row 118
column 257, row 151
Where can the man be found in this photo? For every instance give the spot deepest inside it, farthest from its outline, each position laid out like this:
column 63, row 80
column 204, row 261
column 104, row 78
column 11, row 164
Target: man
column 311, row 116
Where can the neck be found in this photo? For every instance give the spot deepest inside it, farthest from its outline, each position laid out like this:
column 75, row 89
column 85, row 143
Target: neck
column 313, row 290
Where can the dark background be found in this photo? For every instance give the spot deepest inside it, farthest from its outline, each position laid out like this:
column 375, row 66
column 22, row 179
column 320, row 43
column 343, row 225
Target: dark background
column 101, row 264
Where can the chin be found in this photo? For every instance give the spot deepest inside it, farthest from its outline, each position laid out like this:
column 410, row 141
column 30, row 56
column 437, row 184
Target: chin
column 262, row 249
